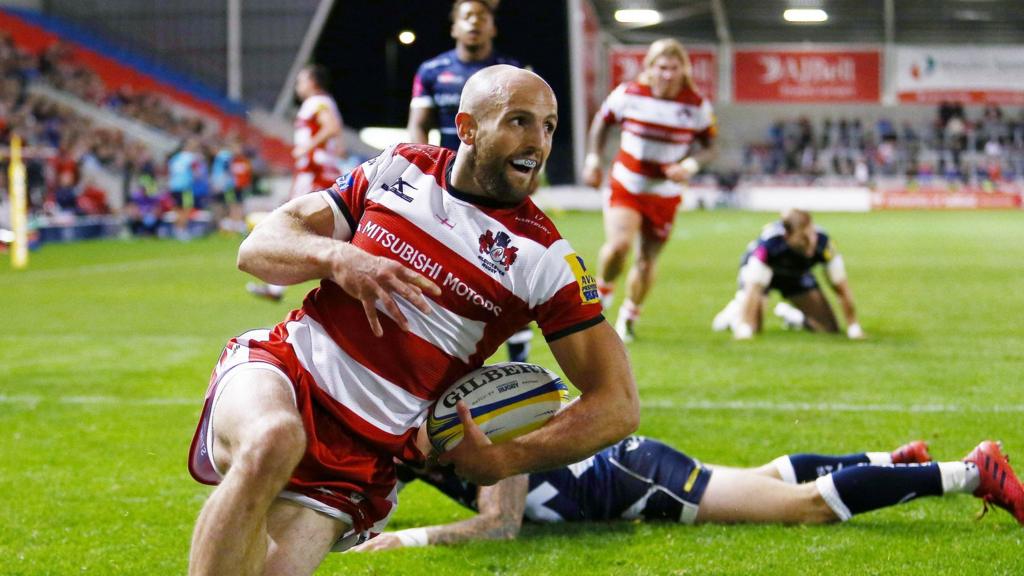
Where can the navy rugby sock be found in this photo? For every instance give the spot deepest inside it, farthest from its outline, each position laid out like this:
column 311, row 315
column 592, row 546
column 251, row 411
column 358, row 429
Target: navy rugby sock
column 807, row 467
column 860, row 489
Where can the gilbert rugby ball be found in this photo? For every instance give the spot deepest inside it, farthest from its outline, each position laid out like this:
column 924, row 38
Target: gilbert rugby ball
column 506, row 400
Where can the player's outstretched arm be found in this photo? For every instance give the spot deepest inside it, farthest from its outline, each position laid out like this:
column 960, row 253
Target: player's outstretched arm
column 750, row 313
column 595, row 361
column 500, row 516
column 295, row 244
column 853, row 329
column 835, row 270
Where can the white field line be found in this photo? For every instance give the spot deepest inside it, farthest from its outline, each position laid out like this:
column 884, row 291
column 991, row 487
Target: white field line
column 152, row 263
column 768, row 406
column 727, row 406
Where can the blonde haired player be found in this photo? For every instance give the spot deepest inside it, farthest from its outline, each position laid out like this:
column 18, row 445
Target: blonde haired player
column 661, row 115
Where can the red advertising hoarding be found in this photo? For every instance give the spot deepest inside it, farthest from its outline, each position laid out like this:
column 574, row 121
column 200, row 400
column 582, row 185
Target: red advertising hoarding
column 627, row 61
column 767, row 75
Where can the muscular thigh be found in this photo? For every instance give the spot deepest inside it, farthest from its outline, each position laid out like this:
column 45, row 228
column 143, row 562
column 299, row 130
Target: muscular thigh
column 621, row 224
column 250, row 396
column 299, row 538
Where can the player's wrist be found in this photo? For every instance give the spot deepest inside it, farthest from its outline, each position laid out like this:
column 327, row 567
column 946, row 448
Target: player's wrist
column 690, row 165
column 413, row 537
column 854, row 330
column 742, row 331
column 592, row 160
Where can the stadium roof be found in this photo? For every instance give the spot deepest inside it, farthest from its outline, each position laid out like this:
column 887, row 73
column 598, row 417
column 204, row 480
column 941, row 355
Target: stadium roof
column 849, row 21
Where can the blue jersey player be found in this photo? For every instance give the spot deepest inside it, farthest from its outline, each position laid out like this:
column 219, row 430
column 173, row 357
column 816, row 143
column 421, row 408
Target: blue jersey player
column 437, row 89
column 782, row 259
column 643, row 479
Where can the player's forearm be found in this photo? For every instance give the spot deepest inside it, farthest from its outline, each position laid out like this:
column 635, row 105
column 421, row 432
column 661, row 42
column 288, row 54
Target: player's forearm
column 752, row 307
column 477, row 528
column 590, row 424
column 846, row 301
column 282, row 250
column 597, row 136
column 419, row 125
column 706, row 154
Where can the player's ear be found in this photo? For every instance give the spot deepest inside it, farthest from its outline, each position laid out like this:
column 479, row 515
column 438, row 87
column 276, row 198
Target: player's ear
column 466, row 127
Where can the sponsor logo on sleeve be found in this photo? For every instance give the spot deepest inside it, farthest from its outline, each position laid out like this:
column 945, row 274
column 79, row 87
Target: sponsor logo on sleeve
column 586, row 281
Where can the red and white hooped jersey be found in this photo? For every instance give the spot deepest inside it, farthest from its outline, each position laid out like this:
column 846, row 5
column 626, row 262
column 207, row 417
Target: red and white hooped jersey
column 323, row 159
column 655, row 132
column 498, row 267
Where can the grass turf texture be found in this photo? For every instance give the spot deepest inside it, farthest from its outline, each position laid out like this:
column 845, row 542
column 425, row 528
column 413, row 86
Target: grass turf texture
column 107, row 347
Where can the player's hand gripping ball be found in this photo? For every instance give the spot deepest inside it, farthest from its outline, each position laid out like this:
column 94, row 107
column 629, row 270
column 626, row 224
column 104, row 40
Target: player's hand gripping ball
column 506, row 400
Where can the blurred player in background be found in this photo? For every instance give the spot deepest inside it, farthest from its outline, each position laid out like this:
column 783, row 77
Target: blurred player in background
column 661, row 115
column 302, row 423
column 781, row 259
column 643, row 479
column 187, row 178
column 318, row 147
column 437, row 87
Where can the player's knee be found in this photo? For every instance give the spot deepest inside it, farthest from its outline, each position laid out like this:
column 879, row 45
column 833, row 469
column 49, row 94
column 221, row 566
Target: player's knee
column 274, row 447
column 645, row 267
column 618, row 248
column 814, row 509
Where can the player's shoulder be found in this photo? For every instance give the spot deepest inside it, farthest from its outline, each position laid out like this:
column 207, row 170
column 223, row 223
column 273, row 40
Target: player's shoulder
column 422, row 154
column 506, row 59
column 634, row 88
column 437, row 63
column 529, row 221
column 691, row 97
column 772, row 230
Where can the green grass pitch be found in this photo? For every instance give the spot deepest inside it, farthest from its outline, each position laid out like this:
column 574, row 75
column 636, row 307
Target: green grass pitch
column 106, row 349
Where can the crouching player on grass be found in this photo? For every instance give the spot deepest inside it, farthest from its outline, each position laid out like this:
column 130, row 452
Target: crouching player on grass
column 781, row 259
column 643, row 479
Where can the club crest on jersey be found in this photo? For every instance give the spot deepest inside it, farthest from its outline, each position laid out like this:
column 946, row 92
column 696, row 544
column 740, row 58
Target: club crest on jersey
column 498, row 247
column 398, row 189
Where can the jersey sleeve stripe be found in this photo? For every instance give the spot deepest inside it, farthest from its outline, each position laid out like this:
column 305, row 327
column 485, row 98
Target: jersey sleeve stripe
column 579, row 327
column 335, row 197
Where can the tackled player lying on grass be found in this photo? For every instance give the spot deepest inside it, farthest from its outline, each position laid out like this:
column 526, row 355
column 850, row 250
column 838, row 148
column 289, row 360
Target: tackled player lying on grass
column 642, row 478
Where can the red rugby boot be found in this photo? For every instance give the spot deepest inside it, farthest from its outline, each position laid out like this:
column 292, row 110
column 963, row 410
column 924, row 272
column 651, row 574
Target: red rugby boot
column 915, row 452
column 998, row 485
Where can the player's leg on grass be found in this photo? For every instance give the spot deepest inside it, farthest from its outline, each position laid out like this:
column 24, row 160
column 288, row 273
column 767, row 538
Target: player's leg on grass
column 639, row 283
column 800, row 468
column 621, row 227
column 727, row 500
column 298, row 538
column 836, row 496
column 258, row 439
column 817, row 312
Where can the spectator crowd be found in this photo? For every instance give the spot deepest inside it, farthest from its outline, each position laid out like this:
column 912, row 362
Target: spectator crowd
column 75, row 167
column 955, row 146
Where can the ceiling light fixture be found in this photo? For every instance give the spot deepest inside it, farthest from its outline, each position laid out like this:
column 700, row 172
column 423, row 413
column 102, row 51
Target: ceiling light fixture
column 638, row 16
column 805, row 15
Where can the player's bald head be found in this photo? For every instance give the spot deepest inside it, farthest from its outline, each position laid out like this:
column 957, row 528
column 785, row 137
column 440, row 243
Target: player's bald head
column 494, row 88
